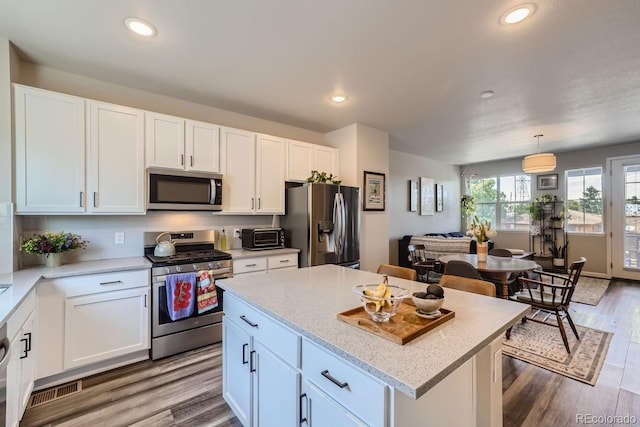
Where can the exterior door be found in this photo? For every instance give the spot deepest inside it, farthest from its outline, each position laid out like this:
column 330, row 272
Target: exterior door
column 625, row 217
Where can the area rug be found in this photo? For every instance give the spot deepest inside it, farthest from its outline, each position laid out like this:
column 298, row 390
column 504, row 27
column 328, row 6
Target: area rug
column 542, row 345
column 590, row 290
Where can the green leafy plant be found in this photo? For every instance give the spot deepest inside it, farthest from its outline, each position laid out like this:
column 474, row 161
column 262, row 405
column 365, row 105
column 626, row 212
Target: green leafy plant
column 323, row 178
column 48, row 243
column 467, row 205
column 535, row 211
column 559, row 251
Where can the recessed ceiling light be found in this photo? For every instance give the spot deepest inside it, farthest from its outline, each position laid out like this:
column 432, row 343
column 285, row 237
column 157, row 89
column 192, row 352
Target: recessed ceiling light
column 140, row 27
column 487, row 94
column 338, row 98
column 518, row 13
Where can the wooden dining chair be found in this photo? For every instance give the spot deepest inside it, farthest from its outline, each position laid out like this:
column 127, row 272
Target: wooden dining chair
column 462, row 269
column 468, row 285
column 496, row 278
column 552, row 297
column 397, row 271
column 422, row 264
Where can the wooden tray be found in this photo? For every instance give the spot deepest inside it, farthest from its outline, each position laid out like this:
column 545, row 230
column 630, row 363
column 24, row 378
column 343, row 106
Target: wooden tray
column 401, row 328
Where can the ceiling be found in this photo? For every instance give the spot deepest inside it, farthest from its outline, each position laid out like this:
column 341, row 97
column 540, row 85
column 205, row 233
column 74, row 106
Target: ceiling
column 413, row 68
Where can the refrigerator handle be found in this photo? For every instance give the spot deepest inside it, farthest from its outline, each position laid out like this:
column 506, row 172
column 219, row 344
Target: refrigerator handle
column 339, row 218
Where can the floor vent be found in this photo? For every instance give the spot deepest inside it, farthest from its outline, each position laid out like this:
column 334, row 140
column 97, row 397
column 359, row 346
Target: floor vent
column 51, row 394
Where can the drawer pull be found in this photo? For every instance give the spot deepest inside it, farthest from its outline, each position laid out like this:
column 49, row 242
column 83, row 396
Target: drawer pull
column 328, row 376
column 250, row 265
column 113, row 282
column 304, row 396
column 252, row 358
column 285, row 260
column 244, row 354
column 253, row 325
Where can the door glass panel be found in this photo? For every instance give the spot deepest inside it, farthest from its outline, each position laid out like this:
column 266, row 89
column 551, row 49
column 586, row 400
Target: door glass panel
column 631, row 215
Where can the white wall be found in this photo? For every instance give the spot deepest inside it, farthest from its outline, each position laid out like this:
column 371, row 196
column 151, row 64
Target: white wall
column 404, row 167
column 592, row 247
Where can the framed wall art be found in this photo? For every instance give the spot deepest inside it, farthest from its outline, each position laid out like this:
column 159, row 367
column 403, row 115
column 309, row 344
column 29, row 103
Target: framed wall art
column 374, row 188
column 427, row 196
column 548, row 182
column 439, row 198
column 413, row 195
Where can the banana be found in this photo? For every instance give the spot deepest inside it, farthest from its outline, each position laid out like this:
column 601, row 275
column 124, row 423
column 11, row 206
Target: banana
column 381, row 291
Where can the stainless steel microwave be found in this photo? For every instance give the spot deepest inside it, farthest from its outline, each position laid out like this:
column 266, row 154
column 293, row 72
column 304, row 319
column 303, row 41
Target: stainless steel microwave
column 255, row 239
column 175, row 190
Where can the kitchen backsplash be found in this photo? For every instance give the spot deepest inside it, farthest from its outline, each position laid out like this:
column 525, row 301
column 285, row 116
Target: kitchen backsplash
column 101, row 231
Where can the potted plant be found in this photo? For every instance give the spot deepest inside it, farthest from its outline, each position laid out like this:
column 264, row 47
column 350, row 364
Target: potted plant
column 323, row 178
column 53, row 246
column 556, row 221
column 558, row 253
column 467, row 207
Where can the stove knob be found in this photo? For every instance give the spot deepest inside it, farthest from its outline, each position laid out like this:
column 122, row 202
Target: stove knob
column 167, row 270
column 219, row 264
column 178, row 268
column 210, row 265
column 195, row 267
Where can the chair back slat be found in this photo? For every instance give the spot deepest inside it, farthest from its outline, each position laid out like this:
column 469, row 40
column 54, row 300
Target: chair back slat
column 397, row 271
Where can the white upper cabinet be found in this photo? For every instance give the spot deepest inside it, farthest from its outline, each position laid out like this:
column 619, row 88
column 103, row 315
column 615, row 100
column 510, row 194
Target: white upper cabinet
column 165, row 141
column 253, row 167
column 202, row 146
column 50, row 151
column 116, row 165
column 303, row 157
column 57, row 147
column 177, row 143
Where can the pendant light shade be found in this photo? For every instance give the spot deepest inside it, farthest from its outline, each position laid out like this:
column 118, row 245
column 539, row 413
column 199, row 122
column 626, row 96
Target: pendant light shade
column 541, row 162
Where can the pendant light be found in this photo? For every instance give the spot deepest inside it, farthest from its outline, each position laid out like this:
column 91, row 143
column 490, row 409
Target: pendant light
column 541, row 162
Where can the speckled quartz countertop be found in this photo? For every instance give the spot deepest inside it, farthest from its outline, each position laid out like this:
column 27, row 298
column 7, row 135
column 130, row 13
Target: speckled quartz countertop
column 308, row 300
column 23, row 281
column 243, row 253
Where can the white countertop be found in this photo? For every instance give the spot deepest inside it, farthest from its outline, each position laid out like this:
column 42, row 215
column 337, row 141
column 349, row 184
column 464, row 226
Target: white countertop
column 23, row 281
column 308, row 300
column 244, row 253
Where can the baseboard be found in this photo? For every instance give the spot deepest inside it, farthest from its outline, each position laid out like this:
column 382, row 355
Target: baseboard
column 595, row 275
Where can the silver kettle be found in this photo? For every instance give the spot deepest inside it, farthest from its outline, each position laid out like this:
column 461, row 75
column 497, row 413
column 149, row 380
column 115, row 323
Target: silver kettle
column 164, row 248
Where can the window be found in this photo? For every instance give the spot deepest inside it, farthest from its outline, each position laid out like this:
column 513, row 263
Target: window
column 503, row 200
column 584, row 200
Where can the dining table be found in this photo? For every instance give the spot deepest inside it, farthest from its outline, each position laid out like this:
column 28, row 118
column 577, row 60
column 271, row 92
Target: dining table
column 494, row 264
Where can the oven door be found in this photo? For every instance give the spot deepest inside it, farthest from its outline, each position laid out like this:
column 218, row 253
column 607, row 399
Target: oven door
column 161, row 322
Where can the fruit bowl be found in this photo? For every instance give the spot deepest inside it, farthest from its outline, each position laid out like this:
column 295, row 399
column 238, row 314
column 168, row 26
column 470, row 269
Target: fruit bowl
column 380, row 308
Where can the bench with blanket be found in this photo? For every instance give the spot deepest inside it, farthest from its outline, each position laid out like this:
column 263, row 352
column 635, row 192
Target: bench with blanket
column 437, row 245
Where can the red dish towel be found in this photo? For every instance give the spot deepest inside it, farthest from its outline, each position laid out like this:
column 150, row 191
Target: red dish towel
column 207, row 296
column 180, row 295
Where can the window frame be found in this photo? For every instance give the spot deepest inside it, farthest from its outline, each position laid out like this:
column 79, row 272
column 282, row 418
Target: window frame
column 499, row 205
column 602, row 199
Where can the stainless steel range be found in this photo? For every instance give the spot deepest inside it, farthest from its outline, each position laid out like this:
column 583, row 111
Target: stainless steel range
column 194, row 252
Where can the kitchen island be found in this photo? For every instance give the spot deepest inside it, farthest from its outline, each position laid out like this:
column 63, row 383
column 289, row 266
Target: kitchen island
column 284, row 345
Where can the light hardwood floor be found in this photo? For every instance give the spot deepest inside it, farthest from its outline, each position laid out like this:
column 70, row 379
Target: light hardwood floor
column 185, row 390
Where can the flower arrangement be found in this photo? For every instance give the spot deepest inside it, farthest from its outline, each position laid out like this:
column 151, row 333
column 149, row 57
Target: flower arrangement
column 48, row 243
column 481, row 230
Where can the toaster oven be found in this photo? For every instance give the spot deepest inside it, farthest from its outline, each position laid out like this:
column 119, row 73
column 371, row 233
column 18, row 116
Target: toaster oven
column 255, row 239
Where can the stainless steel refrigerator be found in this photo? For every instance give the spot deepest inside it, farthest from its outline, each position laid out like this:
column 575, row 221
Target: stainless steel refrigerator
column 323, row 221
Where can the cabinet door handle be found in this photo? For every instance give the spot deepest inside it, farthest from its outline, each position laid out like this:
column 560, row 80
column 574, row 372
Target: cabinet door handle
column 81, row 198
column 113, row 282
column 250, row 265
column 28, row 335
column 191, row 161
column 181, row 159
column 285, row 260
column 253, row 325
column 252, row 203
column 244, row 353
column 27, row 345
column 252, row 358
column 145, row 300
column 328, row 376
column 304, row 419
column 95, row 197
column 259, row 199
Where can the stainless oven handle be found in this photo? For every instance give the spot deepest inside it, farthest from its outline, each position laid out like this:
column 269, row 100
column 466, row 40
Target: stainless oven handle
column 224, row 273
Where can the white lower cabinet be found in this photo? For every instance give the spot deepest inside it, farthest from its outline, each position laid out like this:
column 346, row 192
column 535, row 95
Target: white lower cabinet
column 318, row 409
column 261, row 383
column 92, row 319
column 106, row 325
column 260, row 264
column 20, row 370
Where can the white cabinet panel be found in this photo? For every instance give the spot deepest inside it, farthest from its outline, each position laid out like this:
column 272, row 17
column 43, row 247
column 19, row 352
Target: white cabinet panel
column 270, row 168
column 325, row 159
column 319, row 410
column 164, row 141
column 102, row 326
column 202, row 146
column 50, row 151
column 116, row 172
column 299, row 161
column 236, row 381
column 237, row 161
